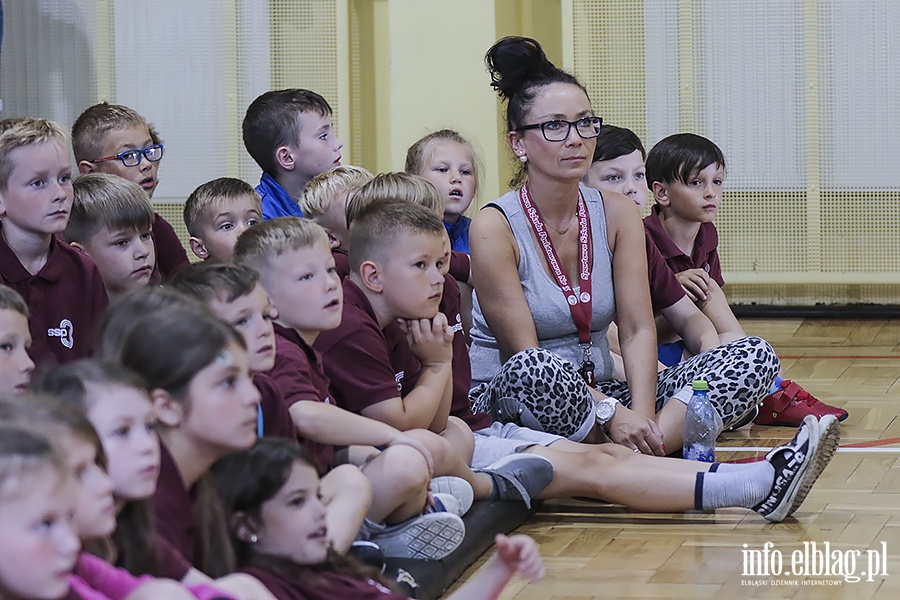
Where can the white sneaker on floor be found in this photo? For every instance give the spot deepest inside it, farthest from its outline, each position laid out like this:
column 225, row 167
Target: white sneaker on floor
column 458, row 488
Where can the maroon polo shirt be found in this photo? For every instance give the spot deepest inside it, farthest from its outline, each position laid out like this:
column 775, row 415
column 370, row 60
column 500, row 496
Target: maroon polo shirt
column 462, row 368
column 705, row 254
column 365, row 364
column 664, row 287
column 460, row 266
column 170, row 564
column 299, row 375
column 173, row 505
column 341, row 263
column 170, row 254
column 277, row 421
column 66, row 300
column 320, row 585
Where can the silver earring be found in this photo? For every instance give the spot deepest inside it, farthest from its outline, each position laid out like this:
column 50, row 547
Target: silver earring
column 523, row 158
column 253, row 538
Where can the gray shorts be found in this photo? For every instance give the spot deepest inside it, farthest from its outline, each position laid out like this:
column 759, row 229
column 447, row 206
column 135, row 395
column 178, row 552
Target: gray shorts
column 502, row 439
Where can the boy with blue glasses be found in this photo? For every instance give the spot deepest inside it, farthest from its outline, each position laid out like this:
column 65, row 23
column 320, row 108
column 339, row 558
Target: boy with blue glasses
column 115, row 139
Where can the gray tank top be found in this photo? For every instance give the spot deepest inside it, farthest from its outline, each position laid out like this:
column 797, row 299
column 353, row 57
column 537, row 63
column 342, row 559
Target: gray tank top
column 553, row 321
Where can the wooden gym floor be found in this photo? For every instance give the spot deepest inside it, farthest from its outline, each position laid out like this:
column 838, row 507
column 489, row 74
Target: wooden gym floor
column 596, row 550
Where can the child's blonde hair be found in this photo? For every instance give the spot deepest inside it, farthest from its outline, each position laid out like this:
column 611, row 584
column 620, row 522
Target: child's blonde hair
column 422, row 150
column 396, row 186
column 110, row 201
column 378, row 225
column 92, row 126
column 257, row 246
column 197, row 214
column 25, row 131
column 325, row 187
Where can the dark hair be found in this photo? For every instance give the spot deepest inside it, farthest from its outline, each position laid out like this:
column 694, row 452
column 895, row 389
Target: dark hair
column 208, row 281
column 614, row 142
column 271, row 122
column 135, row 535
column 122, row 314
column 679, row 156
column 377, row 226
column 24, row 450
column 168, row 348
column 249, row 478
column 10, row 299
column 519, row 68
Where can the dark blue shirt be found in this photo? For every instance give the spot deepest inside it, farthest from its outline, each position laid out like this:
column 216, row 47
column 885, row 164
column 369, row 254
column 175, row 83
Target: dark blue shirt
column 276, row 202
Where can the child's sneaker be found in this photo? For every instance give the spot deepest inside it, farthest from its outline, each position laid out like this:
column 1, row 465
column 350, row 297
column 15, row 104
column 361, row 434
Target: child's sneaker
column 790, row 404
column 368, row 553
column 455, row 487
column 797, row 466
column 446, row 503
column 747, row 418
column 829, row 438
column 520, row 476
column 431, row 537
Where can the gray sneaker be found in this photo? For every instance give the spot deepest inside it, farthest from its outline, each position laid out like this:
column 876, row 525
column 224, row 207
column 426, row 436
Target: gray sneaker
column 430, row 537
column 520, row 476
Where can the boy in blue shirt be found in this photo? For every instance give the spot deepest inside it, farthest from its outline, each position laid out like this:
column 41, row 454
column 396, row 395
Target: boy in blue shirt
column 290, row 136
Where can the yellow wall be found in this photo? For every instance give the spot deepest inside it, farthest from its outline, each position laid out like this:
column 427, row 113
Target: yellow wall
column 417, row 66
column 414, row 64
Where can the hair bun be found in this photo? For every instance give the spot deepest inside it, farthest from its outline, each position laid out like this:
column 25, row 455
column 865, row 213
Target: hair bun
column 514, row 62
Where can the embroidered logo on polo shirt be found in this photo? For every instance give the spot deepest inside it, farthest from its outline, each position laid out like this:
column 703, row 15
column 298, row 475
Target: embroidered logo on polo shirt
column 458, row 327
column 65, row 332
column 398, row 377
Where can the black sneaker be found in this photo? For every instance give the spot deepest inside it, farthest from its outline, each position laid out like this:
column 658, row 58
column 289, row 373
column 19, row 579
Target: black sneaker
column 368, row 553
column 797, row 466
column 520, row 476
column 829, row 438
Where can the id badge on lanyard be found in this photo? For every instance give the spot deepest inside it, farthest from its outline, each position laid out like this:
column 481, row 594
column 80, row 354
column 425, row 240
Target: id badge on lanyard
column 579, row 304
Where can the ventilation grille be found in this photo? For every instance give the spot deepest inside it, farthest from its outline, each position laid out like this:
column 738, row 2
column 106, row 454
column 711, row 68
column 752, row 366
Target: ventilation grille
column 800, row 96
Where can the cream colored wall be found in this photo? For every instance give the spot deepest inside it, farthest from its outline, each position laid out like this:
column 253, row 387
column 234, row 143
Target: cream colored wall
column 429, row 75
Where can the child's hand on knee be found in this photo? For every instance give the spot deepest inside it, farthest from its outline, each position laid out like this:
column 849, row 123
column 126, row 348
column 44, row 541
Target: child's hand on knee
column 695, row 283
column 520, row 554
column 430, row 340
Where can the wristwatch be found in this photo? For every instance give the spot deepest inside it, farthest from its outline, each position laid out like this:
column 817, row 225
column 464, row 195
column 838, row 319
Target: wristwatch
column 605, row 410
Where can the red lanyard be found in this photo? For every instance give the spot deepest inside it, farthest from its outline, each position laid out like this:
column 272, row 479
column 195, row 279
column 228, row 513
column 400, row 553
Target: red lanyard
column 579, row 304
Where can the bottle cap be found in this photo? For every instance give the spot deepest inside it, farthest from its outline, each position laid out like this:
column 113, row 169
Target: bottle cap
column 700, row 385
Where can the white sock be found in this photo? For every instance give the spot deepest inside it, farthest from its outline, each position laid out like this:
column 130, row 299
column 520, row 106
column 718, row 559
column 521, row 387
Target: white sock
column 684, row 394
column 744, row 485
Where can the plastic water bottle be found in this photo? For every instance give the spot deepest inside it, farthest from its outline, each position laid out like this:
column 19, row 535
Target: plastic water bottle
column 701, row 425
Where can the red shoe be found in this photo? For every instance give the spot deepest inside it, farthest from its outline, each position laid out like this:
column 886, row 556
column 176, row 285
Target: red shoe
column 790, row 404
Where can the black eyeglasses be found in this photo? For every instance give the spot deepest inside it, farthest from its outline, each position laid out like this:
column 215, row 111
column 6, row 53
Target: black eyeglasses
column 558, row 130
column 132, row 158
